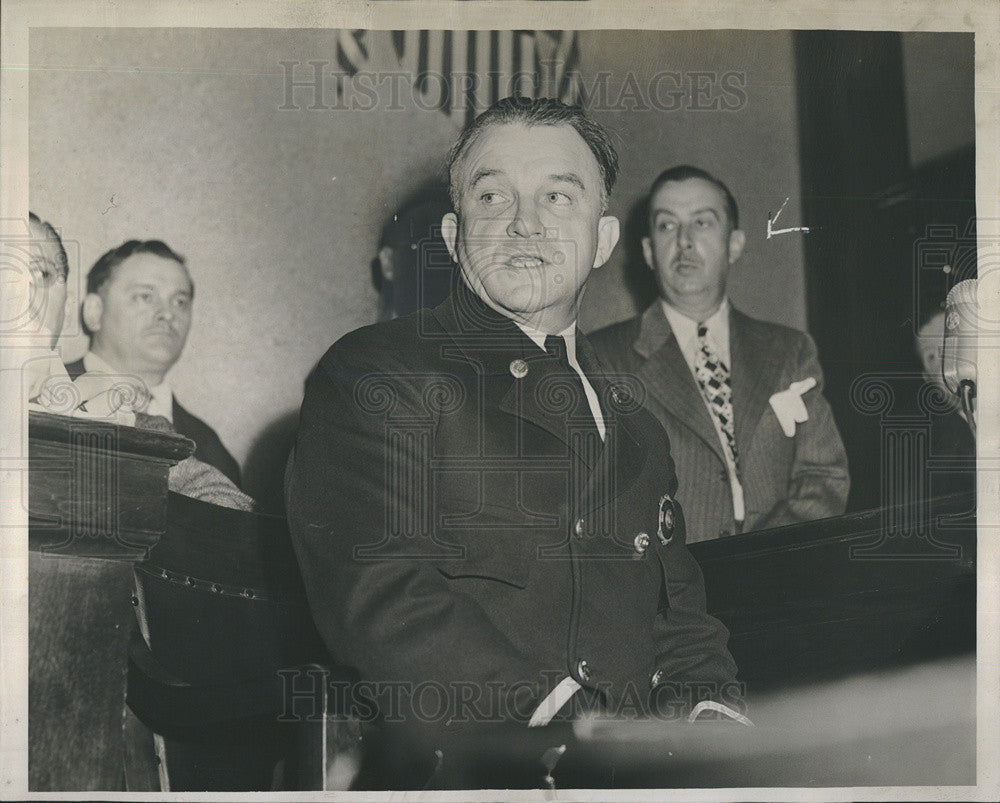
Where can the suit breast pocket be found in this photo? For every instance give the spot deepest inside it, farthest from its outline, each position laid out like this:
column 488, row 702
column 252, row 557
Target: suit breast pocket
column 489, row 559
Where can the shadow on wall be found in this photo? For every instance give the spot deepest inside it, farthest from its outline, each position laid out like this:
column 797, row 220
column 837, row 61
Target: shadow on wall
column 412, row 269
column 639, row 280
column 264, row 470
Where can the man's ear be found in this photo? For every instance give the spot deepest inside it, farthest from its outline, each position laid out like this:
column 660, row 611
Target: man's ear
column 449, row 232
column 608, row 232
column 737, row 239
column 93, row 309
column 647, row 252
column 385, row 262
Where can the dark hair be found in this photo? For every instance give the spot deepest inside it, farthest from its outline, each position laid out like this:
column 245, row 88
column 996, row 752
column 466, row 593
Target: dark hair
column 539, row 111
column 101, row 272
column 685, row 172
column 51, row 232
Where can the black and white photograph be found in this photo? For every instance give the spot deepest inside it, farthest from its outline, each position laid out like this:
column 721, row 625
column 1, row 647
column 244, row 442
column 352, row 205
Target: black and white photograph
column 500, row 400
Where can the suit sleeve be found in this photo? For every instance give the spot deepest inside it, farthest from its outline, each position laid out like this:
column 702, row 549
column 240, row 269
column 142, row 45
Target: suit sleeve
column 818, row 482
column 209, row 449
column 208, row 446
column 379, row 603
column 692, row 655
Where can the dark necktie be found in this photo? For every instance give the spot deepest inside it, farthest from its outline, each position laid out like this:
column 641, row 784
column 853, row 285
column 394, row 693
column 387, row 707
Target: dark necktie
column 713, row 379
column 585, row 437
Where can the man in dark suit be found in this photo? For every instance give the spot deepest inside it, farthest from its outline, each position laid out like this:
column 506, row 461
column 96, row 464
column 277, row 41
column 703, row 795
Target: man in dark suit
column 138, row 312
column 753, row 438
column 476, row 510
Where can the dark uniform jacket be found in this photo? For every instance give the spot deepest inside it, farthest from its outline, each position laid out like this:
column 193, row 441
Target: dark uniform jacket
column 452, row 531
column 208, row 447
column 785, row 479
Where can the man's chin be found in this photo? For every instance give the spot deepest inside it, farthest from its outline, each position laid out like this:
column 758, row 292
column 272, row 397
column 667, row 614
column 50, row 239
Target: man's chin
column 160, row 360
column 688, row 284
column 520, row 297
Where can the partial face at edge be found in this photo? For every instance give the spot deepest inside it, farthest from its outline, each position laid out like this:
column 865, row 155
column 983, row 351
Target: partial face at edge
column 529, row 228
column 930, row 348
column 48, row 280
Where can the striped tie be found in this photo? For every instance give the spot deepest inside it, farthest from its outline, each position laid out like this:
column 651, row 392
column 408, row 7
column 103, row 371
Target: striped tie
column 713, row 378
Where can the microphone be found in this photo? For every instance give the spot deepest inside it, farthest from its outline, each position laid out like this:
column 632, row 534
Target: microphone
column 961, row 326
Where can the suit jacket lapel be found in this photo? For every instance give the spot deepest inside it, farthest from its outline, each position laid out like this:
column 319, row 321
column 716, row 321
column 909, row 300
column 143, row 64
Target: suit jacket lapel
column 754, row 373
column 668, row 379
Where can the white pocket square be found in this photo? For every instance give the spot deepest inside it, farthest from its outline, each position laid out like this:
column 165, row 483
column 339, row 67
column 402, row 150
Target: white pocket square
column 788, row 406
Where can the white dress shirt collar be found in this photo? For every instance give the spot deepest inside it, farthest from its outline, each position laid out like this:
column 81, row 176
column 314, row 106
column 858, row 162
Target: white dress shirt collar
column 686, row 332
column 569, row 335
column 161, row 397
column 538, row 338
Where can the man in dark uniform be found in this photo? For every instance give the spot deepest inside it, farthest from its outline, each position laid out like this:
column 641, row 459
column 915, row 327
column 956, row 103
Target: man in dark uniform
column 485, row 523
column 138, row 312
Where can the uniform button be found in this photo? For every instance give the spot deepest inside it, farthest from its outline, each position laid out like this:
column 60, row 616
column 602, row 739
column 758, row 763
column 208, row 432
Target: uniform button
column 518, row 369
column 641, row 542
column 583, row 670
column 656, row 678
column 723, row 533
column 578, row 528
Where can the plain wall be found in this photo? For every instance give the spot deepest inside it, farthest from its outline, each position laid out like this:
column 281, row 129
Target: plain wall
column 178, row 135
column 939, row 92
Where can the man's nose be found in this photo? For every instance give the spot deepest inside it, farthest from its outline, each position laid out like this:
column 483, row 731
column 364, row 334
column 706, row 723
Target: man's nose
column 164, row 312
column 684, row 236
column 526, row 222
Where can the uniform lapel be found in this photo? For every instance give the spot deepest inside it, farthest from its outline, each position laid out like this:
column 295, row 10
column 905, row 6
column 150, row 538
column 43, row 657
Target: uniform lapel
column 754, row 373
column 496, row 342
column 667, row 378
column 537, row 396
column 624, row 452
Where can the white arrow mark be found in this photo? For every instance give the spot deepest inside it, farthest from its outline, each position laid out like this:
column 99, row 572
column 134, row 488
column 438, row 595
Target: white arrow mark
column 775, row 232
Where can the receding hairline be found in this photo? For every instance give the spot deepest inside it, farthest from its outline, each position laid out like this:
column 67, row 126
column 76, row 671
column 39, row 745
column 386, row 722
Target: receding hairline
column 570, row 176
column 116, row 269
column 722, row 209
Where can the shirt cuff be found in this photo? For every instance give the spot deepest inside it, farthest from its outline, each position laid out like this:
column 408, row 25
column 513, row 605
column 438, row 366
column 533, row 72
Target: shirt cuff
column 553, row 701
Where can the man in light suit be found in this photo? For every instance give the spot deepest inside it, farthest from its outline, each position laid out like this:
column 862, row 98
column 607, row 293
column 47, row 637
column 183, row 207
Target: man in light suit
column 753, row 439
column 138, row 313
column 474, row 507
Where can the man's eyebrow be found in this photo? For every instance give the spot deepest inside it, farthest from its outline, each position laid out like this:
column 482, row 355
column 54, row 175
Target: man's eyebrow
column 711, row 209
column 481, row 173
column 149, row 286
column 569, row 178
column 659, row 211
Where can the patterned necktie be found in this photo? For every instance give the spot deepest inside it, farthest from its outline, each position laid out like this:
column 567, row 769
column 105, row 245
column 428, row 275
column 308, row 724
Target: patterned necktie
column 713, row 378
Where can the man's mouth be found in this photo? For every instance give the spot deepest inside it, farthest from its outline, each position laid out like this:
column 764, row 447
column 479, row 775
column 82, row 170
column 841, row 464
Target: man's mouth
column 162, row 333
column 685, row 264
column 525, row 261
